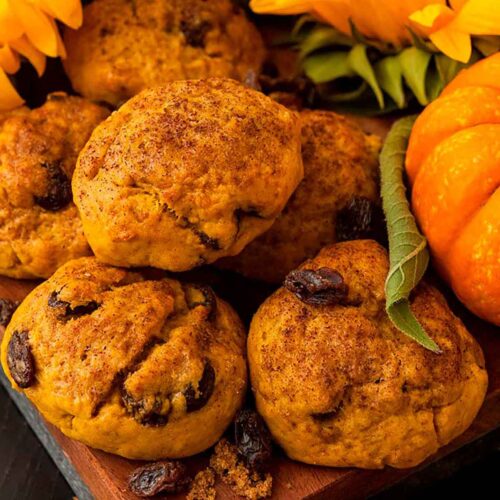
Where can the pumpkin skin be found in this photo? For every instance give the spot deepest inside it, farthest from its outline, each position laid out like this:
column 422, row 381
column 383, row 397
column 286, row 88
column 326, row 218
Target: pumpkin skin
column 453, row 165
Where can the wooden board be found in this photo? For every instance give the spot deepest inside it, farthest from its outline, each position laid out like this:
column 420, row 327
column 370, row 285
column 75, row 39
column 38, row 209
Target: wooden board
column 104, row 476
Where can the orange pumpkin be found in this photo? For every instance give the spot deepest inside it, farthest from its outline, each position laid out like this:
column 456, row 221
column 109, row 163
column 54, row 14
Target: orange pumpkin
column 453, row 164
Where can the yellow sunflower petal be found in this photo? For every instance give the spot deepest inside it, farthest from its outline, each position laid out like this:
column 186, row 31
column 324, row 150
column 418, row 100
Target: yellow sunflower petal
column 9, row 98
column 456, row 5
column 10, row 25
column 34, row 56
column 480, row 17
column 67, row 11
column 61, row 50
column 432, row 17
column 37, row 27
column 9, row 60
column 452, row 42
column 285, row 7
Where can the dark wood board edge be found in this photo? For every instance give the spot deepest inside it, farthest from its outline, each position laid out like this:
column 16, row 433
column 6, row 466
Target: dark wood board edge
column 48, row 441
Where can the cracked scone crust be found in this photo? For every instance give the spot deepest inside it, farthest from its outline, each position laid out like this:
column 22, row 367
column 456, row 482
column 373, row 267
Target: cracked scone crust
column 145, row 369
column 39, row 225
column 126, row 46
column 340, row 162
column 185, row 174
column 338, row 385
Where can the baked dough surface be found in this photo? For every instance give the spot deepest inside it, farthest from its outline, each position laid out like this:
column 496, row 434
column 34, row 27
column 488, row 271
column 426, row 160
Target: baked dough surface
column 185, row 174
column 339, row 385
column 127, row 46
column 146, row 369
column 39, row 225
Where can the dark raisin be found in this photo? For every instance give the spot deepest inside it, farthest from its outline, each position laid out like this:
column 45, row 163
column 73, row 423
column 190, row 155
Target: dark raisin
column 58, row 193
column 159, row 477
column 253, row 440
column 195, row 31
column 72, row 312
column 20, row 360
column 328, row 415
column 145, row 414
column 301, row 88
column 201, row 295
column 205, row 389
column 361, row 219
column 7, row 309
column 322, row 287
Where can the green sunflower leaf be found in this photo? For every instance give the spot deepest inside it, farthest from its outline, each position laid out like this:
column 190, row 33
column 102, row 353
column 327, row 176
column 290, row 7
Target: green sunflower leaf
column 390, row 78
column 414, row 64
column 328, row 66
column 487, row 45
column 408, row 253
column 321, row 37
column 360, row 64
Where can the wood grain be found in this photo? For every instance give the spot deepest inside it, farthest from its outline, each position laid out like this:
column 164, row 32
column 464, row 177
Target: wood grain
column 106, row 475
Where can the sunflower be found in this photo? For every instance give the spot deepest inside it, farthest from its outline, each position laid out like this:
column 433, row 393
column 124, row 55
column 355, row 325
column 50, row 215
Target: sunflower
column 402, row 49
column 28, row 29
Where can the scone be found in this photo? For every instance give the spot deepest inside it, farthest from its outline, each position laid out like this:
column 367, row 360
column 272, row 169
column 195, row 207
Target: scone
column 142, row 368
column 127, row 46
column 185, row 174
column 340, row 165
column 339, row 385
column 39, row 225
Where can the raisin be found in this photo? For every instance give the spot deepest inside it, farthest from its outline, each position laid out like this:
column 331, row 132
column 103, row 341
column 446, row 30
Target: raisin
column 7, row 309
column 159, row 477
column 72, row 312
column 201, row 295
column 328, row 415
column 58, row 193
column 253, row 440
column 361, row 219
column 322, row 287
column 20, row 360
column 195, row 31
column 145, row 413
column 205, row 389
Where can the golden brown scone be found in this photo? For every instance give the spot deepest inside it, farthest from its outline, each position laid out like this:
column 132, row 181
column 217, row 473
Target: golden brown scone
column 185, row 174
column 127, row 46
column 340, row 163
column 141, row 368
column 339, row 385
column 39, row 225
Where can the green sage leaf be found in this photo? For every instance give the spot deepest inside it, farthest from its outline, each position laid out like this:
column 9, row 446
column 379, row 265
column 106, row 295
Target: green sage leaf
column 390, row 79
column 360, row 64
column 327, row 66
column 414, row 64
column 408, row 254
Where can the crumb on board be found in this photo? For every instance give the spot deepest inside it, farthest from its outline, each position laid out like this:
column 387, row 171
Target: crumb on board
column 203, row 486
column 236, row 475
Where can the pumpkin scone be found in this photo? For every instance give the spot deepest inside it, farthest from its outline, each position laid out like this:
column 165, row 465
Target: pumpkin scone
column 127, row 46
column 146, row 369
column 340, row 176
column 185, row 174
column 39, row 225
column 339, row 385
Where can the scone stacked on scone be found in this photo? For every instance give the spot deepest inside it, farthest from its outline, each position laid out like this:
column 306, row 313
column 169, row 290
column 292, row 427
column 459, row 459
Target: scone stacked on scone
column 127, row 46
column 142, row 368
column 339, row 385
column 185, row 174
column 39, row 225
column 340, row 167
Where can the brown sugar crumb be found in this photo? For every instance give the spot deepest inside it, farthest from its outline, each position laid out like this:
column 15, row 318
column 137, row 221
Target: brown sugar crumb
column 202, row 487
column 236, row 475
